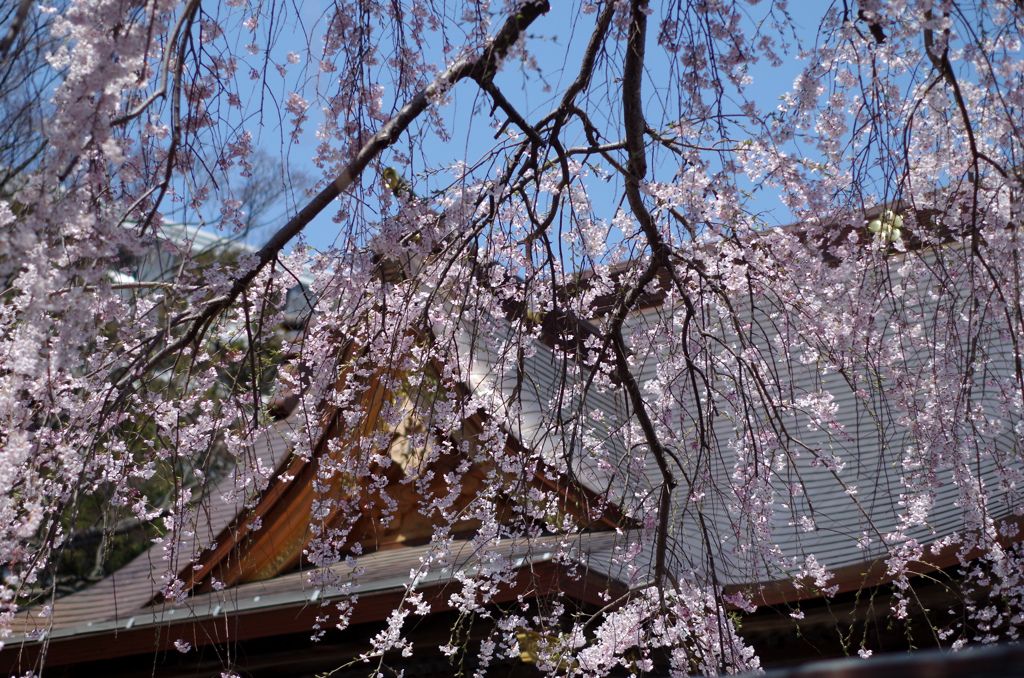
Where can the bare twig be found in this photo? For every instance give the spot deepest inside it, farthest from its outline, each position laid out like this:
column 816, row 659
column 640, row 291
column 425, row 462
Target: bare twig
column 471, row 67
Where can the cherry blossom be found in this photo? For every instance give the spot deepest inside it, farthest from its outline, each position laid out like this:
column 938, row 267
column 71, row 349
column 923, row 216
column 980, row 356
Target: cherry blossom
column 593, row 295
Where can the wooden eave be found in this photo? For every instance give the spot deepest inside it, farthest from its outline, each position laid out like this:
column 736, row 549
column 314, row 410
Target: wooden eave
column 285, row 507
column 159, row 635
column 867, row 573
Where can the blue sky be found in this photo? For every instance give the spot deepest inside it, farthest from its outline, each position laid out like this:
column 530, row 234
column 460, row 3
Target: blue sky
column 556, row 40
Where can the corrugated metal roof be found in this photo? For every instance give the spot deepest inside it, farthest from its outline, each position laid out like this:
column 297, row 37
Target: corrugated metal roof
column 872, row 444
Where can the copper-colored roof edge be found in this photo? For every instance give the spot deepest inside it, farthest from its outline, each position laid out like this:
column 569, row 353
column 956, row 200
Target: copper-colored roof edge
column 973, row 661
column 228, row 602
column 215, row 606
column 867, row 573
column 270, row 615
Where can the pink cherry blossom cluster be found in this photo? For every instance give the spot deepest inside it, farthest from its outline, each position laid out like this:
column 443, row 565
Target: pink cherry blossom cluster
column 587, row 322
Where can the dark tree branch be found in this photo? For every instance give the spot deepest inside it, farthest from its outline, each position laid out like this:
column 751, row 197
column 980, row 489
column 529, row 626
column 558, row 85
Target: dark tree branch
column 15, row 27
column 636, row 168
column 473, row 67
column 636, row 398
column 582, row 80
column 632, row 102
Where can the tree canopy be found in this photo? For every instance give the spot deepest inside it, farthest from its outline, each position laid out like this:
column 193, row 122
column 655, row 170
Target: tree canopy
column 773, row 338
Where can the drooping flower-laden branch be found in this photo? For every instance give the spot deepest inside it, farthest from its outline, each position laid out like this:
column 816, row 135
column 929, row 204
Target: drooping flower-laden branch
column 587, row 323
column 468, row 67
